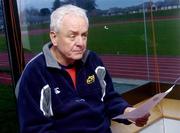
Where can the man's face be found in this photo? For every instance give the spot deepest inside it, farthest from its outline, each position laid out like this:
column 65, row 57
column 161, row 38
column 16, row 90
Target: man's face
column 71, row 41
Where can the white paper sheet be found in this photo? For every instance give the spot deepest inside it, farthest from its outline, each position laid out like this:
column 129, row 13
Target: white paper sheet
column 145, row 107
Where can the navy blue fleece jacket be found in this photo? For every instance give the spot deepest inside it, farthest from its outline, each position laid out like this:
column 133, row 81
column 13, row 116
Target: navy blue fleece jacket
column 49, row 103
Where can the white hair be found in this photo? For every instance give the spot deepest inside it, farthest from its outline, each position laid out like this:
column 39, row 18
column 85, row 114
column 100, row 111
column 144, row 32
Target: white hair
column 58, row 15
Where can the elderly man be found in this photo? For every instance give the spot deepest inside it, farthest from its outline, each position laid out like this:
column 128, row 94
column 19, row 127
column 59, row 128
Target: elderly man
column 66, row 88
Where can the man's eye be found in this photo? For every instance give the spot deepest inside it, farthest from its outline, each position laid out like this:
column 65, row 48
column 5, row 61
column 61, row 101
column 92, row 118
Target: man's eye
column 72, row 36
column 84, row 36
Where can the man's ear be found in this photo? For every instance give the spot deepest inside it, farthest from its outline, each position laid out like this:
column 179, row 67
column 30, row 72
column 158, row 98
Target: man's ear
column 53, row 37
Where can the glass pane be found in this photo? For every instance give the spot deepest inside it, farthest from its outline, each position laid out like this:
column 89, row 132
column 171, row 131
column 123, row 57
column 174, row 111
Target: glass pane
column 136, row 39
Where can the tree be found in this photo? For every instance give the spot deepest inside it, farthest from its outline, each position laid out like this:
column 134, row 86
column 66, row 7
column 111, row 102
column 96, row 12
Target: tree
column 88, row 5
column 44, row 11
column 56, row 4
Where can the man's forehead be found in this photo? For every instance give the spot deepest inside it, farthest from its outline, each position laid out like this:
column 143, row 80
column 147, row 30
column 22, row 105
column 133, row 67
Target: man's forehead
column 74, row 24
column 73, row 19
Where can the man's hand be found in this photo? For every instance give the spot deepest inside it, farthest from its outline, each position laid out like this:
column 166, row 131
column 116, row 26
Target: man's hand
column 140, row 122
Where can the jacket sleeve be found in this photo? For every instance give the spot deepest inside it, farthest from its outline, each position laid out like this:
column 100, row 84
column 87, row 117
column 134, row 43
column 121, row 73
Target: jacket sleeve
column 114, row 103
column 31, row 117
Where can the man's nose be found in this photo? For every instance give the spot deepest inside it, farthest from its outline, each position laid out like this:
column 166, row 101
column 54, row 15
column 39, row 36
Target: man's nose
column 79, row 40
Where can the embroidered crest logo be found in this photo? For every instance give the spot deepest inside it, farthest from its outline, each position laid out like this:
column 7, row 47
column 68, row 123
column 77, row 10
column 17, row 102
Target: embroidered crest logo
column 56, row 90
column 90, row 79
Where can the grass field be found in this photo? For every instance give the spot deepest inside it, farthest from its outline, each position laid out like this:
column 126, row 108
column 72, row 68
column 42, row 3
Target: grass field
column 128, row 38
column 8, row 116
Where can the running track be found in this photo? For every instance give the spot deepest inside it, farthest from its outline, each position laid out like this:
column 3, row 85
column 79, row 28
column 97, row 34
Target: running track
column 130, row 67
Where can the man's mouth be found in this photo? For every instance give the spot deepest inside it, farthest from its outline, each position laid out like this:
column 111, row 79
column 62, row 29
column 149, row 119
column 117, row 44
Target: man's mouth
column 78, row 51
